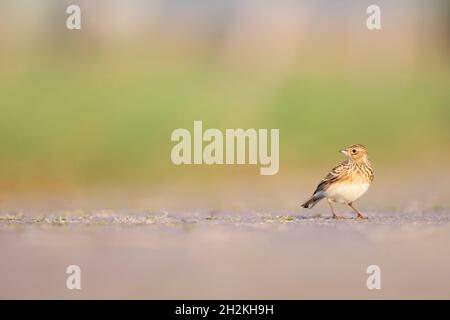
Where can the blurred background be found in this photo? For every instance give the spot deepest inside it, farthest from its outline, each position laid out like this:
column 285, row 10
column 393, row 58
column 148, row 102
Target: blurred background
column 96, row 107
column 85, row 123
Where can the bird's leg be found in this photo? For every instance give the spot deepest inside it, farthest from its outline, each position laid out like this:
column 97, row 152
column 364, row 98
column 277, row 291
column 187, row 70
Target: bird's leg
column 330, row 203
column 359, row 215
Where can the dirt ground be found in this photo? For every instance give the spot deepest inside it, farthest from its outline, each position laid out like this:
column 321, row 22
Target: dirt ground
column 154, row 249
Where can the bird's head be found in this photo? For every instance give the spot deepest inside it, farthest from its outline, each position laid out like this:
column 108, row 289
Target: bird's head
column 356, row 152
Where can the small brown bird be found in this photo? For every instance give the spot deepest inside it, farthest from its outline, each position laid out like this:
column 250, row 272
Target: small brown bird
column 346, row 182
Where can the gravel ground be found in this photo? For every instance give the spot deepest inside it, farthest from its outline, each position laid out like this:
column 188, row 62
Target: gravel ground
column 71, row 219
column 223, row 254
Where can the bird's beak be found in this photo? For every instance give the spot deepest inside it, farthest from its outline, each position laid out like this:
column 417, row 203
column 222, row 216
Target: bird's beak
column 343, row 151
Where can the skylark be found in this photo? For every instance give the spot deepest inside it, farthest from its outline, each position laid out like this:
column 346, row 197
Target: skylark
column 346, row 182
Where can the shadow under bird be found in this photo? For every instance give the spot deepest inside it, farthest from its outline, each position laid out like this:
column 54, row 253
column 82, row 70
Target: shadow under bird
column 346, row 182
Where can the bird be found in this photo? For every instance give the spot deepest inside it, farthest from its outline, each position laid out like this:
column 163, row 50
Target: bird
column 346, row 182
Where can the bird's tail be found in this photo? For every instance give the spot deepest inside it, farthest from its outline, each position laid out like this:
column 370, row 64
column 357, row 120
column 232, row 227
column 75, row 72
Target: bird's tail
column 312, row 201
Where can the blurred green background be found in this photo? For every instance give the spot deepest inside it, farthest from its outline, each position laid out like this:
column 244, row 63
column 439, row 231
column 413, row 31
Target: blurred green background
column 98, row 105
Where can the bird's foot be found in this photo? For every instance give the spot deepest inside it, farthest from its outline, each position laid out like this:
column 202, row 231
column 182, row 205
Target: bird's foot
column 335, row 216
column 361, row 217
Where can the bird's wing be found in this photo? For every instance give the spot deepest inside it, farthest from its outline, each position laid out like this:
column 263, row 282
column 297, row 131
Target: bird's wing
column 335, row 174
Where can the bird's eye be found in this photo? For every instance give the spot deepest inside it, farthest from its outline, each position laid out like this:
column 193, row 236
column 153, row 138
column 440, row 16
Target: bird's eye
column 354, row 151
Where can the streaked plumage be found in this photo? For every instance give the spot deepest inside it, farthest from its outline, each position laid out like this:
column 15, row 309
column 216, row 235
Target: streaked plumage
column 346, row 182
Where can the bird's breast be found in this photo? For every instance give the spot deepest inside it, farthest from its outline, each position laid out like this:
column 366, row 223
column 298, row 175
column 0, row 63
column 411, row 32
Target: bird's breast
column 345, row 192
